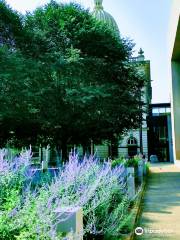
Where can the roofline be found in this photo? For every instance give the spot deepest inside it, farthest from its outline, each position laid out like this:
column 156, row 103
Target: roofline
column 160, row 105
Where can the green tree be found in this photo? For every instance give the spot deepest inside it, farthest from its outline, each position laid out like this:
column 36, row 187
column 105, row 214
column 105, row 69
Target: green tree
column 10, row 26
column 74, row 80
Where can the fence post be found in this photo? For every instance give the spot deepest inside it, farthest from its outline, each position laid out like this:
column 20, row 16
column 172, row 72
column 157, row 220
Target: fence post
column 70, row 222
column 130, row 183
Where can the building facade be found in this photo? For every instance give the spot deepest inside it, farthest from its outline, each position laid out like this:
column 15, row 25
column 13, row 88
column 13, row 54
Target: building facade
column 103, row 16
column 174, row 60
column 136, row 140
column 160, row 132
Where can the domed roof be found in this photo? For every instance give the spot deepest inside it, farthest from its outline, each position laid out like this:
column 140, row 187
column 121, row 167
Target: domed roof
column 104, row 16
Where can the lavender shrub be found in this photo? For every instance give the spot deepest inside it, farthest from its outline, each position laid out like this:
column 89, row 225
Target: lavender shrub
column 98, row 189
column 89, row 184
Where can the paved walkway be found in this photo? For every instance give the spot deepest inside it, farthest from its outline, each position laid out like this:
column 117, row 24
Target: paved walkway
column 160, row 217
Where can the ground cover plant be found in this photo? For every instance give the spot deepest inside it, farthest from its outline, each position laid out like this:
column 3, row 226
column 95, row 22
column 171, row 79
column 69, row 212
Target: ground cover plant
column 12, row 183
column 28, row 213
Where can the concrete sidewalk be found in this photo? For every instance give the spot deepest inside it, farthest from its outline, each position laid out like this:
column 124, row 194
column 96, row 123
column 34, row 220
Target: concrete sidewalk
column 160, row 217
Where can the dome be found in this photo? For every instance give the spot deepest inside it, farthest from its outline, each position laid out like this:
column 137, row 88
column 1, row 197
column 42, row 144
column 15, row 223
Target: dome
column 104, row 16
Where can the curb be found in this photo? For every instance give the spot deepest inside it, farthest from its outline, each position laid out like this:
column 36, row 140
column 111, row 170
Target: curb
column 136, row 212
column 138, row 209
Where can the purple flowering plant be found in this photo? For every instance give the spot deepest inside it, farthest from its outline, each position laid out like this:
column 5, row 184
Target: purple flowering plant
column 94, row 186
column 89, row 184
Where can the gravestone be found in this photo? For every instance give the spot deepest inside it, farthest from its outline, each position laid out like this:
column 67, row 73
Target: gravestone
column 130, row 183
column 140, row 171
column 145, row 167
column 46, row 158
column 153, row 159
column 70, row 221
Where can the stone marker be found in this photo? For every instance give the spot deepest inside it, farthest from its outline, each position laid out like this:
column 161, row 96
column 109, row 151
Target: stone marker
column 153, row 159
column 70, row 221
column 130, row 183
column 46, row 157
column 140, row 171
column 44, row 165
column 144, row 167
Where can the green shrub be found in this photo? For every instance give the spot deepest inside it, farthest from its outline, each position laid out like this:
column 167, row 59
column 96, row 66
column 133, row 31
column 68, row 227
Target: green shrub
column 132, row 162
column 117, row 162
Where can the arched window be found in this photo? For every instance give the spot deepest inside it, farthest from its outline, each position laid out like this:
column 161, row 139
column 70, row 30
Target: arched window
column 132, row 141
column 132, row 146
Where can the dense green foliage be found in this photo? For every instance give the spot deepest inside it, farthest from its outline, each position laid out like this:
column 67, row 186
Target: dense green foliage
column 131, row 162
column 117, row 162
column 10, row 26
column 64, row 78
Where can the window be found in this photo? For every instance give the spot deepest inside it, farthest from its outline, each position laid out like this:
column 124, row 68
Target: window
column 168, row 110
column 162, row 110
column 155, row 111
column 132, row 146
column 132, row 141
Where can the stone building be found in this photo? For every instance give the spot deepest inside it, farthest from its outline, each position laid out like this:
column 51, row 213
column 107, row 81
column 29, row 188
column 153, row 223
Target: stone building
column 135, row 141
column 100, row 14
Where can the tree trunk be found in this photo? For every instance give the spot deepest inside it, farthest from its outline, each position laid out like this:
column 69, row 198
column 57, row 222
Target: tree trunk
column 86, row 149
column 114, row 148
column 64, row 151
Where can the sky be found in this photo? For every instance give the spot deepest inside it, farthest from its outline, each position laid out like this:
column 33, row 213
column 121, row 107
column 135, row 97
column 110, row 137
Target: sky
column 146, row 22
